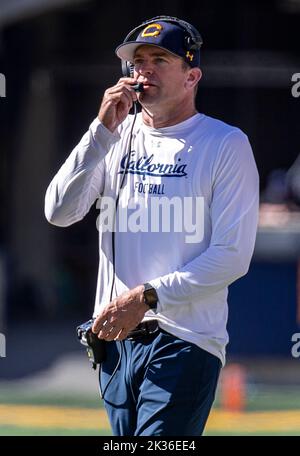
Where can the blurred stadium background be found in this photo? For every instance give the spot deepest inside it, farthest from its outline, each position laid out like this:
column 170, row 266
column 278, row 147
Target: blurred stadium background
column 57, row 57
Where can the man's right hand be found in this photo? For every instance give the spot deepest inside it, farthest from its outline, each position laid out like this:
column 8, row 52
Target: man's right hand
column 116, row 103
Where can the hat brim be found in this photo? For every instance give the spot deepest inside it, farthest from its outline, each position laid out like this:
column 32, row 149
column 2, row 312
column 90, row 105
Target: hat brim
column 126, row 51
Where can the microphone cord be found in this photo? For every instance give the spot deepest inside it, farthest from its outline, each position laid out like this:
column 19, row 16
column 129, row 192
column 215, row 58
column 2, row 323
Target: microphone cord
column 118, row 197
column 113, row 241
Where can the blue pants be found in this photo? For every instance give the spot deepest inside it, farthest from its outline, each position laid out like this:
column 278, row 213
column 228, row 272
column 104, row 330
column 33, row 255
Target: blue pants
column 163, row 386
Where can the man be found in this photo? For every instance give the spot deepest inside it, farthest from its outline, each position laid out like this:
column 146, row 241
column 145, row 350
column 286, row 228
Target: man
column 161, row 301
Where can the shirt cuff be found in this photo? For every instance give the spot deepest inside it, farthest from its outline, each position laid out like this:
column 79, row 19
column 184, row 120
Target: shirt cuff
column 103, row 135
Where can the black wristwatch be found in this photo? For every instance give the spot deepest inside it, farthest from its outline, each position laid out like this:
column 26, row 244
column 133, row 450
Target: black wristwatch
column 150, row 296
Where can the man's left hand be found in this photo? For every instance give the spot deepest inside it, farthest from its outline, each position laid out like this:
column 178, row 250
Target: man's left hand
column 121, row 315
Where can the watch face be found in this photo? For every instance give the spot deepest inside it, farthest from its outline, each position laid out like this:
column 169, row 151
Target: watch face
column 148, row 286
column 150, row 296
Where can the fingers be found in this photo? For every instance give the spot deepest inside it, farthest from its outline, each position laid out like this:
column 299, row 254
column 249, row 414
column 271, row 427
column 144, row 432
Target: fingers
column 109, row 332
column 106, row 327
column 125, row 84
column 121, row 315
column 106, row 331
column 121, row 97
column 121, row 92
column 129, row 81
column 122, row 334
column 98, row 323
column 117, row 102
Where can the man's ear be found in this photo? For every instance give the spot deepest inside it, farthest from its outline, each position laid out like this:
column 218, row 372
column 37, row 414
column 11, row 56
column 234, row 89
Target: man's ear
column 194, row 76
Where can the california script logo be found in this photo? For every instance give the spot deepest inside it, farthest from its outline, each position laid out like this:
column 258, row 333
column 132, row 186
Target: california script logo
column 144, row 166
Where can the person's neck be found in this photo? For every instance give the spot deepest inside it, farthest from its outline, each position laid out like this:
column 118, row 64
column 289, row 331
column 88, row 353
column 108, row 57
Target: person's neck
column 160, row 118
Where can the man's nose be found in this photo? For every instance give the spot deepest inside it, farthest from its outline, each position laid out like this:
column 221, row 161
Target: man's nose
column 145, row 68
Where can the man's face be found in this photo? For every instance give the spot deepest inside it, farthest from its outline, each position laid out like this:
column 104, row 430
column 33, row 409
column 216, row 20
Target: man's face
column 162, row 74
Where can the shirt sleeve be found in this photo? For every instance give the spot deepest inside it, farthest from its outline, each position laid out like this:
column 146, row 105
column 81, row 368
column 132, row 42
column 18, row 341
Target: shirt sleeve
column 80, row 180
column 234, row 218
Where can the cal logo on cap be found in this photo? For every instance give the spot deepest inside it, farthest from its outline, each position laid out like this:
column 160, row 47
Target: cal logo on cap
column 152, row 30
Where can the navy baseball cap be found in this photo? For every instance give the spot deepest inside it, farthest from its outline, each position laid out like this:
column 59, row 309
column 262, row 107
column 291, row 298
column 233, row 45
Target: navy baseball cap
column 165, row 35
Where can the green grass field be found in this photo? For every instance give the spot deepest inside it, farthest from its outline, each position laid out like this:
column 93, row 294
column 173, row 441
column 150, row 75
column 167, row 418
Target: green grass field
column 269, row 411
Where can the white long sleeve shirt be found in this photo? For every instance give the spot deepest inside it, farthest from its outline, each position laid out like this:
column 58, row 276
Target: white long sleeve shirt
column 203, row 174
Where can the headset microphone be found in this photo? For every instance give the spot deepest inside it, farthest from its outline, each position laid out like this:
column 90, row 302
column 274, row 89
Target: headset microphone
column 139, row 87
